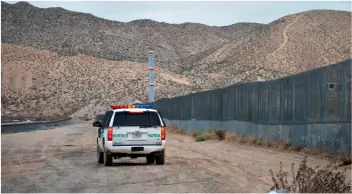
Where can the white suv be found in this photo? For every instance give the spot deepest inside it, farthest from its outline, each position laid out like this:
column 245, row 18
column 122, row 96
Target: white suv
column 131, row 131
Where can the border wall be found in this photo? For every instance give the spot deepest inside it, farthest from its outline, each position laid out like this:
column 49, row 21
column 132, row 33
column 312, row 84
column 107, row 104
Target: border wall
column 309, row 109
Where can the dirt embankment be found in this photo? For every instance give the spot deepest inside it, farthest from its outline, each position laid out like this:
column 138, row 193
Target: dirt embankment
column 64, row 160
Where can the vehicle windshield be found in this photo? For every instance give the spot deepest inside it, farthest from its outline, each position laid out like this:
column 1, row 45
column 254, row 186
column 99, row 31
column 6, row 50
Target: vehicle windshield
column 142, row 119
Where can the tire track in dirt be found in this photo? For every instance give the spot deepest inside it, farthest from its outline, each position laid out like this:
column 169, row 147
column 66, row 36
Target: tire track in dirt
column 219, row 165
column 229, row 171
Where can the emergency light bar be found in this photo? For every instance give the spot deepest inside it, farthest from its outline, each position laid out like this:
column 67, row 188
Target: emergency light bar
column 143, row 106
column 131, row 106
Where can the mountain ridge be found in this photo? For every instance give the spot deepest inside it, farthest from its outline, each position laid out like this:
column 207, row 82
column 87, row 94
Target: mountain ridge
column 27, row 4
column 71, row 33
column 190, row 57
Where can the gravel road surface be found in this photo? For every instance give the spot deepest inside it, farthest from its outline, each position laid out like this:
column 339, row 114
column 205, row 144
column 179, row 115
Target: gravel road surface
column 63, row 160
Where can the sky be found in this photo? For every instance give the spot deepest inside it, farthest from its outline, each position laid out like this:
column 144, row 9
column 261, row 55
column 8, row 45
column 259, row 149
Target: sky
column 215, row 13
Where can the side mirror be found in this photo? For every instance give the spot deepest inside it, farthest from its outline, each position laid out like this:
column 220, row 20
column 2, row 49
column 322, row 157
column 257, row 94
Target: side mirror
column 97, row 124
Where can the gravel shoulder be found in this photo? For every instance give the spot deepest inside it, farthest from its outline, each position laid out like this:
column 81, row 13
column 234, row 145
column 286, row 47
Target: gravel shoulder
column 63, row 160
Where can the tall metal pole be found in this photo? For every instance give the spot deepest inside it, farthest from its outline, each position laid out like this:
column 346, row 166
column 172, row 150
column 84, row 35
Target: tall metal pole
column 151, row 76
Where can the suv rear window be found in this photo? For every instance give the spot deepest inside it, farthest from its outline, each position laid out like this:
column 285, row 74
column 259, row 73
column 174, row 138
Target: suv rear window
column 143, row 119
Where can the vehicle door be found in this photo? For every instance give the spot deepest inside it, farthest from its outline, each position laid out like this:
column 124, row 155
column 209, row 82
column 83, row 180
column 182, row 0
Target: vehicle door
column 104, row 127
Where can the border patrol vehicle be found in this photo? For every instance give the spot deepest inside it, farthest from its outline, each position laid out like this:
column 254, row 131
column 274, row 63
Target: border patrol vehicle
column 131, row 131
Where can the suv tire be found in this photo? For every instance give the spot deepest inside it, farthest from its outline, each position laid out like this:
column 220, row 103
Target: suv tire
column 150, row 159
column 160, row 160
column 100, row 155
column 107, row 159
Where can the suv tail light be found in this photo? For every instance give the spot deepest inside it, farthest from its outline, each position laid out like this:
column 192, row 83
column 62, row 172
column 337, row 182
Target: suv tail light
column 163, row 134
column 110, row 134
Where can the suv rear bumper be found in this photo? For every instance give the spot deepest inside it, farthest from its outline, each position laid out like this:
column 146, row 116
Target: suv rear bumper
column 127, row 149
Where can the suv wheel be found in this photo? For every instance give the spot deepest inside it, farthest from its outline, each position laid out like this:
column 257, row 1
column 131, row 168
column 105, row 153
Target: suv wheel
column 160, row 160
column 107, row 159
column 150, row 159
column 100, row 155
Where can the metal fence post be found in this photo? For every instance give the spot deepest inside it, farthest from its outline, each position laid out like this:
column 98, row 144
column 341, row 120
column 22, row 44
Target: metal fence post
column 259, row 102
column 221, row 106
column 323, row 97
column 293, row 99
column 192, row 116
column 307, row 93
column 281, row 101
column 344, row 95
column 268, row 86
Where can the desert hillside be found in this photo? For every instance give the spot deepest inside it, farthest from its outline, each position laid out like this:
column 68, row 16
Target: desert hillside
column 291, row 44
column 37, row 83
column 287, row 45
column 71, row 33
column 58, row 62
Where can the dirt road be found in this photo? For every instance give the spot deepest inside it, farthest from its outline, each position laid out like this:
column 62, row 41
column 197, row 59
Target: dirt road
column 64, row 160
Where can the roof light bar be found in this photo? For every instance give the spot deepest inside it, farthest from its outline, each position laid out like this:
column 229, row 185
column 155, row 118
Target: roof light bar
column 143, row 106
column 124, row 106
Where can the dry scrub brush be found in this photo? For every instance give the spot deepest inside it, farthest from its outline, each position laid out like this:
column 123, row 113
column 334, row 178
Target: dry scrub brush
column 312, row 180
column 177, row 130
column 217, row 134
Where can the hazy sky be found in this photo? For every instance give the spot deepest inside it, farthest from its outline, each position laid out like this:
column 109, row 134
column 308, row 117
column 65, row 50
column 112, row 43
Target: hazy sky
column 210, row 13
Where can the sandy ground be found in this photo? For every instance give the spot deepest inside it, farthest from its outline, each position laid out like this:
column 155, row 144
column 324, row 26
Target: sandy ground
column 64, row 160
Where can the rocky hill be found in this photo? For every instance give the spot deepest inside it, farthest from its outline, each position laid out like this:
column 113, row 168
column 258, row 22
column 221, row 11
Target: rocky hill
column 291, row 44
column 72, row 33
column 41, row 83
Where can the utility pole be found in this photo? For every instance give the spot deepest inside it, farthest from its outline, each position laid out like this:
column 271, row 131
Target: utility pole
column 151, row 71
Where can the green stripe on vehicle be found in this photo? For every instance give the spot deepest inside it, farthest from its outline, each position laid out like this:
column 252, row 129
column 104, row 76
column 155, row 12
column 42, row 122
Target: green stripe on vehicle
column 120, row 135
column 153, row 135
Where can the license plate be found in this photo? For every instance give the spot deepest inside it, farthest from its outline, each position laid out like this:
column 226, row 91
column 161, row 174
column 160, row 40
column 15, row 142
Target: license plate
column 137, row 135
column 137, row 149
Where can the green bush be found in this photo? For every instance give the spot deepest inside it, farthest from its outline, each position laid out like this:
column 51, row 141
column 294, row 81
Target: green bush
column 201, row 137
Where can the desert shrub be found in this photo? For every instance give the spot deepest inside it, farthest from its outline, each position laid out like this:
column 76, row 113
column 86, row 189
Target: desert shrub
column 220, row 134
column 60, row 106
column 202, row 137
column 251, row 140
column 174, row 129
column 191, row 133
column 260, row 141
column 312, row 180
column 216, row 134
column 231, row 136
